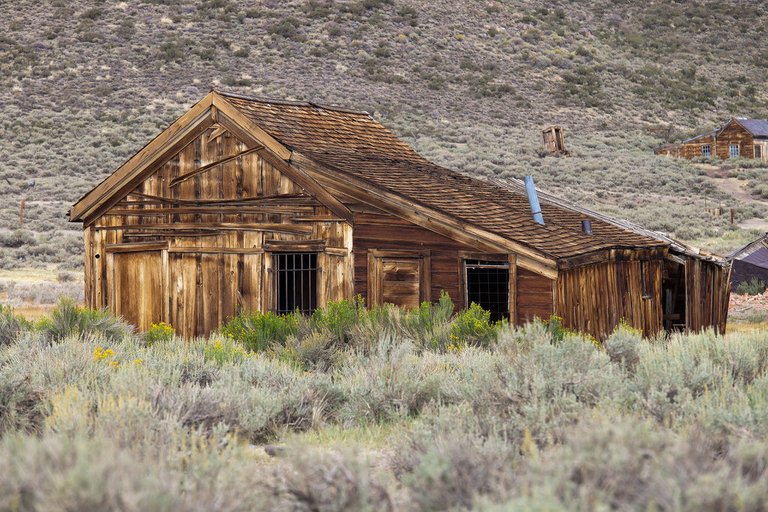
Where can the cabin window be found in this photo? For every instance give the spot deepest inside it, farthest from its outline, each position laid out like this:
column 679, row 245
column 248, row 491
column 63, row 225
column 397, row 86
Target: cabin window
column 758, row 151
column 487, row 285
column 296, row 282
column 706, row 151
column 734, row 150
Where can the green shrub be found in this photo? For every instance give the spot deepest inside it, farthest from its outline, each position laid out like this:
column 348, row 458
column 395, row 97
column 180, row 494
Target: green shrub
column 317, row 351
column 391, row 381
column 623, row 345
column 159, row 333
column 11, row 325
column 259, row 331
column 385, row 321
column 430, row 323
column 446, row 462
column 754, row 286
column 223, row 352
column 473, row 327
column 338, row 318
column 343, row 481
column 22, row 404
column 69, row 319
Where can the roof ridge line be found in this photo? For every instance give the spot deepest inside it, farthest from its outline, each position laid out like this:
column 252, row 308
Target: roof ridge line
column 297, row 103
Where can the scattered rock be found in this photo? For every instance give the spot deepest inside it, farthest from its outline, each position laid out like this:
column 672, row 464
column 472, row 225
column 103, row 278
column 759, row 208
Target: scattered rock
column 274, row 450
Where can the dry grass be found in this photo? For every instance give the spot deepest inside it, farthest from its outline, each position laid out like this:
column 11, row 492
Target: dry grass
column 34, row 292
column 34, row 313
column 529, row 422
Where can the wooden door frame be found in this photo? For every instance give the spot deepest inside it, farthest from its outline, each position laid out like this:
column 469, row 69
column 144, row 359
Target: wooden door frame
column 375, row 273
column 112, row 283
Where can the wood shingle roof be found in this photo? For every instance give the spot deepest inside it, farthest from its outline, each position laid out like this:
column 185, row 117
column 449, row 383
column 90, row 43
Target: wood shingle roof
column 354, row 143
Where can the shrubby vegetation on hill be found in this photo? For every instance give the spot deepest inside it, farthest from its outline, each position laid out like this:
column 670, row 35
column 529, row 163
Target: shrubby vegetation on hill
column 536, row 418
column 84, row 85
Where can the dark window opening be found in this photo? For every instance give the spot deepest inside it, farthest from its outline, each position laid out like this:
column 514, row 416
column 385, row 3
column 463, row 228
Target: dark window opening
column 645, row 282
column 488, row 286
column 673, row 294
column 296, row 282
column 758, row 151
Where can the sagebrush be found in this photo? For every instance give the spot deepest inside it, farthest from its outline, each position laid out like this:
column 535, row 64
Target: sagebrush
column 533, row 419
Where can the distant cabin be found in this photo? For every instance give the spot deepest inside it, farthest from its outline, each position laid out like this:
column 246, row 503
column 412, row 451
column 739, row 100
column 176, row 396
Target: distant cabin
column 251, row 204
column 750, row 262
column 740, row 137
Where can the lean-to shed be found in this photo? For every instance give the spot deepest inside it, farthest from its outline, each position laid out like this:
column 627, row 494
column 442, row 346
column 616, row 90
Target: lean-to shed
column 750, row 262
column 248, row 204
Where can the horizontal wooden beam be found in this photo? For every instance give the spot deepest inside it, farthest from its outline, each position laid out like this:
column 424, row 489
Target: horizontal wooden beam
column 287, row 199
column 216, row 250
column 213, row 210
column 299, row 247
column 279, row 161
column 337, row 251
column 317, row 218
column 190, row 125
column 208, row 226
column 184, row 177
column 136, row 247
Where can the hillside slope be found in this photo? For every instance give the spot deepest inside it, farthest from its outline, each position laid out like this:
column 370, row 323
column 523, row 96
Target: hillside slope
column 469, row 84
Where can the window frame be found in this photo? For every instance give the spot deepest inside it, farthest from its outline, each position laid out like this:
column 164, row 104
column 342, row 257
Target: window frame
column 731, row 148
column 758, row 148
column 468, row 263
column 706, row 150
column 313, row 302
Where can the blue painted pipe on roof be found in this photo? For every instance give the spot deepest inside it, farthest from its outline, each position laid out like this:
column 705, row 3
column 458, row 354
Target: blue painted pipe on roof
column 533, row 199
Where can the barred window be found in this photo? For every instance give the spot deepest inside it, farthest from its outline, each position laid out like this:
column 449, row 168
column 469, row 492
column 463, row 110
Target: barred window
column 706, row 151
column 487, row 285
column 296, row 282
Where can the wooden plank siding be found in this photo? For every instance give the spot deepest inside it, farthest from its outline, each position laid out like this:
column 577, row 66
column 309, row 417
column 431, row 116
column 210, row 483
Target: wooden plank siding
column 707, row 295
column 219, row 227
column 693, row 148
column 596, row 298
column 734, row 133
column 535, row 297
column 379, row 232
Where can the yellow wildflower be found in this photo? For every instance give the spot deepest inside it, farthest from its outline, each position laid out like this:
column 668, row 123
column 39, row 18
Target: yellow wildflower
column 114, row 364
column 138, row 362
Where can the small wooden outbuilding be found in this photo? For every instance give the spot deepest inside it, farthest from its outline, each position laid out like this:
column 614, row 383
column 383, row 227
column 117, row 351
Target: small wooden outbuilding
column 750, row 262
column 249, row 204
column 554, row 142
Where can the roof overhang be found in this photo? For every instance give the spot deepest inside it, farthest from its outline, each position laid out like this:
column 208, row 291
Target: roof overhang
column 213, row 109
column 428, row 218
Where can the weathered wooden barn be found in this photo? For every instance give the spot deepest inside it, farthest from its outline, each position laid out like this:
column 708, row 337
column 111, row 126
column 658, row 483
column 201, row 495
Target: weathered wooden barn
column 739, row 137
column 247, row 204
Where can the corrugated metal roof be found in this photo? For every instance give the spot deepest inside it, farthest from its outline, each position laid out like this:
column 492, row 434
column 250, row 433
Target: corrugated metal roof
column 757, row 127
